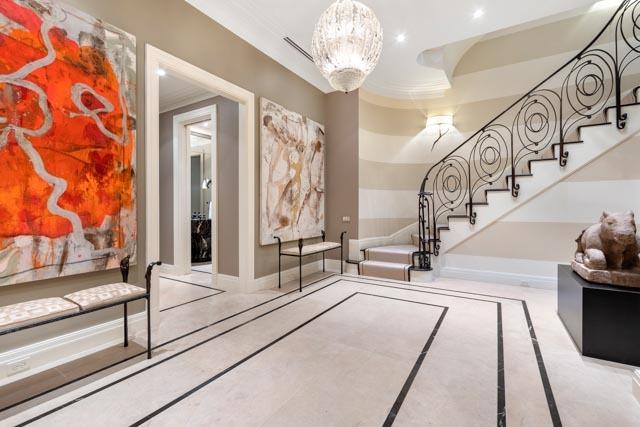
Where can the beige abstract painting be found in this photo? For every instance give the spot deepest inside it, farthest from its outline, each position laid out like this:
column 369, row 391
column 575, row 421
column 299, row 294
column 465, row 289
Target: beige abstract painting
column 291, row 174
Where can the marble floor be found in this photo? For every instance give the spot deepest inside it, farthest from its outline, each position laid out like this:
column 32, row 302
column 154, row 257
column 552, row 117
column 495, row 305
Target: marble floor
column 352, row 351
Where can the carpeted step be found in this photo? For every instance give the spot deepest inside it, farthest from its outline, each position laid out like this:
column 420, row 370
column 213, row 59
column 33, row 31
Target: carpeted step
column 401, row 254
column 385, row 270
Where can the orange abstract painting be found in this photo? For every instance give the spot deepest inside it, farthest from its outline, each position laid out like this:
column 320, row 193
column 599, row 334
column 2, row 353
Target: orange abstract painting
column 67, row 142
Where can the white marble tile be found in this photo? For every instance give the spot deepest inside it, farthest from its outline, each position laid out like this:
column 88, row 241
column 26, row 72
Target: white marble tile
column 348, row 366
column 174, row 293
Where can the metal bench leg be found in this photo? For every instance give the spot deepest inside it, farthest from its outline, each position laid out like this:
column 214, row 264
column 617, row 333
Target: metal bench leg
column 126, row 326
column 324, row 238
column 147, row 278
column 148, row 328
column 279, row 261
column 300, row 244
column 342, row 250
column 300, row 268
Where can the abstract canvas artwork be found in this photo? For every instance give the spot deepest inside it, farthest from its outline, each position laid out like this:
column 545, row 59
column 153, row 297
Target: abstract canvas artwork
column 292, row 174
column 67, row 142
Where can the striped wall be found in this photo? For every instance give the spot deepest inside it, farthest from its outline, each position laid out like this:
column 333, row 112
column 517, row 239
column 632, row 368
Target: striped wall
column 540, row 234
column 395, row 150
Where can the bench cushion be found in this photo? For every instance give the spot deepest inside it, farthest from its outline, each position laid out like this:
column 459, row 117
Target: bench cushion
column 312, row 249
column 26, row 313
column 104, row 295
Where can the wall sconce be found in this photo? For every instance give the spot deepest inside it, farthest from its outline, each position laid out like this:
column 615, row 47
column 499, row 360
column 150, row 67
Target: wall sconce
column 206, row 183
column 442, row 123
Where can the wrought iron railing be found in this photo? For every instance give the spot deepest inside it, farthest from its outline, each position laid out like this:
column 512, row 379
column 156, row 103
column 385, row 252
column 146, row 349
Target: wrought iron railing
column 537, row 127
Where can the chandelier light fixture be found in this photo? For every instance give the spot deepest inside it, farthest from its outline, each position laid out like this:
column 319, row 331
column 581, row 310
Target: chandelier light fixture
column 346, row 44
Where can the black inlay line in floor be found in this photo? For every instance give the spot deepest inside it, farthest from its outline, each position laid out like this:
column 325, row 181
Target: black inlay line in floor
column 501, row 407
column 395, row 409
column 159, row 345
column 293, row 291
column 191, row 283
column 346, row 279
column 189, row 302
column 411, row 289
column 224, row 319
column 413, row 284
column 200, row 271
column 75, row 380
column 173, row 356
column 502, row 404
column 277, row 340
column 551, row 401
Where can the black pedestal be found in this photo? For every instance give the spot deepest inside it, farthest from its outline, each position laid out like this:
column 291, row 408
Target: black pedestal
column 603, row 320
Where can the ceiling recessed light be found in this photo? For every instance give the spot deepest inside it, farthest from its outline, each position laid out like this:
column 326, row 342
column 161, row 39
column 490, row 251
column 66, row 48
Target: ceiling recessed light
column 400, row 38
column 161, row 72
column 478, row 13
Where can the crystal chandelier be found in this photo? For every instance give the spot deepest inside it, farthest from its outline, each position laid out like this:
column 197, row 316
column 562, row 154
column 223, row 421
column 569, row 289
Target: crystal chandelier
column 346, row 44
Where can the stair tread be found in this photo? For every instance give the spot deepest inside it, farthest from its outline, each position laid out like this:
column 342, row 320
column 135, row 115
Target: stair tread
column 577, row 141
column 385, row 264
column 391, row 253
column 547, row 159
column 593, row 124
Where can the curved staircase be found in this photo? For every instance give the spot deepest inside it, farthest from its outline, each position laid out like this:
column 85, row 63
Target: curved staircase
column 575, row 115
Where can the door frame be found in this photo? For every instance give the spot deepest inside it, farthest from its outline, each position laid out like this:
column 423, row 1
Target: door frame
column 155, row 60
column 181, row 197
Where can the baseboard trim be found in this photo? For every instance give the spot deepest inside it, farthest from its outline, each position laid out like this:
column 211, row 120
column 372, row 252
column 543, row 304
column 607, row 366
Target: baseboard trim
column 271, row 281
column 64, row 348
column 227, row 283
column 499, row 277
column 168, row 269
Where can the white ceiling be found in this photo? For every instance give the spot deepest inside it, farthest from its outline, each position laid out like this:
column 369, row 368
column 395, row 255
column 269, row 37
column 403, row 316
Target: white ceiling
column 427, row 24
column 203, row 128
column 176, row 93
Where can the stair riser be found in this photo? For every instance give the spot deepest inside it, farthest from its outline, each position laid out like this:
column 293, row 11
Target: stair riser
column 384, row 273
column 389, row 257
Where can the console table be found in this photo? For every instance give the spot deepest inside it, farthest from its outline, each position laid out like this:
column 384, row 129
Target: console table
column 302, row 251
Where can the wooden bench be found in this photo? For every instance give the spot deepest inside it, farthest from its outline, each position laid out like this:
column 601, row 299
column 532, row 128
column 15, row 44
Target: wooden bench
column 302, row 251
column 31, row 314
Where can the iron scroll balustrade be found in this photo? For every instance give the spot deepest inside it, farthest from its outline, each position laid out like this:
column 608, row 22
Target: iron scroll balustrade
column 537, row 127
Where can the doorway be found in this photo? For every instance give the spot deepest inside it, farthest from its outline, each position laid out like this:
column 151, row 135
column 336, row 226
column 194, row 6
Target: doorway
column 202, row 189
column 157, row 62
column 194, row 188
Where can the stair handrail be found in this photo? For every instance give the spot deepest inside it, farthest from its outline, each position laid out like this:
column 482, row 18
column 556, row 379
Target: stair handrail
column 428, row 233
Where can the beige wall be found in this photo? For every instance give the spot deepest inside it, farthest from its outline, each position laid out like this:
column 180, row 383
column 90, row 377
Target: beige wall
column 227, row 151
column 396, row 151
column 342, row 166
column 176, row 27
